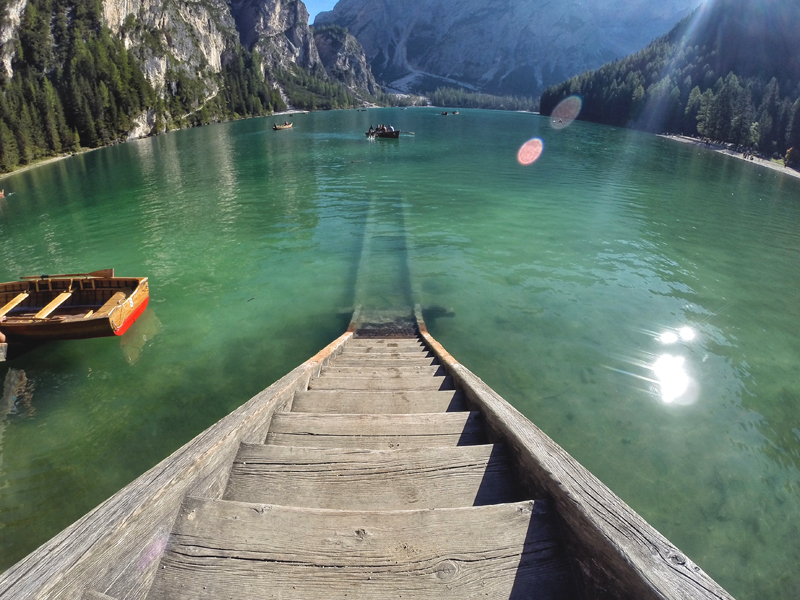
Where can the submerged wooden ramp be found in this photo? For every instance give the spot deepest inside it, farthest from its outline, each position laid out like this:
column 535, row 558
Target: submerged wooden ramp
column 378, row 483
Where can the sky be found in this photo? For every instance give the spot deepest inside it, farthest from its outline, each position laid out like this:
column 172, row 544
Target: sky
column 317, row 6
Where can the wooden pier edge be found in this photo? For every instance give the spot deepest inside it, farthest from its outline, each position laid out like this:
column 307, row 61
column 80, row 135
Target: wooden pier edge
column 115, row 549
column 614, row 547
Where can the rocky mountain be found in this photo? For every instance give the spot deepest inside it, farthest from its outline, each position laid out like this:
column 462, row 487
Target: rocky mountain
column 344, row 58
column 91, row 72
column 499, row 46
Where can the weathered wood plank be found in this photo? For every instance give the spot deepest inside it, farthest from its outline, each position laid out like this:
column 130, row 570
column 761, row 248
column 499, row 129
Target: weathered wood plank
column 383, row 361
column 386, row 402
column 405, row 382
column 351, row 479
column 380, row 432
column 3, row 352
column 12, row 304
column 378, row 350
column 619, row 554
column 383, row 371
column 246, row 551
column 385, row 343
column 116, row 547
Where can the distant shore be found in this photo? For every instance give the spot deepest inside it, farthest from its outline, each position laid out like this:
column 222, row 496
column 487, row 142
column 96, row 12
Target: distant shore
column 51, row 159
column 723, row 149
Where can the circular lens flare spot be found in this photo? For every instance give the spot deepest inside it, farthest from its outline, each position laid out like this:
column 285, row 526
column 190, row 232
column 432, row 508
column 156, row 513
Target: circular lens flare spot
column 566, row 112
column 530, row 151
column 687, row 334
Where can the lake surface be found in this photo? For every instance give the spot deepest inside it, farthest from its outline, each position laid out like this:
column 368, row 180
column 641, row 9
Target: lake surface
column 635, row 297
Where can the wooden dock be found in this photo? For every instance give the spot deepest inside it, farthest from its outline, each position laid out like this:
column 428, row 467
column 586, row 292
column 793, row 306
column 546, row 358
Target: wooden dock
column 379, row 468
column 337, row 501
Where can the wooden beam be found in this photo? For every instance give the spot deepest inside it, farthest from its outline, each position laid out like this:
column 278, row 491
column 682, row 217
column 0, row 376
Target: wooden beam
column 14, row 302
column 58, row 301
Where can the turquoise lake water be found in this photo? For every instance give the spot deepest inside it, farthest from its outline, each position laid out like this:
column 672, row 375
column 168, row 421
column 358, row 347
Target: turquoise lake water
column 635, row 297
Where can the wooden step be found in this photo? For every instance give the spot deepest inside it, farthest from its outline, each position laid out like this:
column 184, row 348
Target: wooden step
column 406, row 382
column 379, row 432
column 384, row 371
column 370, row 350
column 358, row 479
column 235, row 550
column 385, row 343
column 387, row 402
column 384, row 361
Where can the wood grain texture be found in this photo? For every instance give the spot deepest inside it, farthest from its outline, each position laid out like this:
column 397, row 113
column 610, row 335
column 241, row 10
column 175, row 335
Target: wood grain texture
column 381, row 402
column 619, row 554
column 386, row 343
column 356, row 479
column 3, row 352
column 115, row 548
column 92, row 595
column 384, row 371
column 380, row 351
column 380, row 432
column 403, row 382
column 243, row 551
column 384, row 361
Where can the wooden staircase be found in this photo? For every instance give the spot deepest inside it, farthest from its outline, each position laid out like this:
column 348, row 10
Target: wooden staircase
column 380, row 483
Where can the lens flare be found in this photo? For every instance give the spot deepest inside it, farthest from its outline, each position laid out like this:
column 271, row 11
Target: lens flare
column 671, row 376
column 566, row 112
column 687, row 334
column 530, row 151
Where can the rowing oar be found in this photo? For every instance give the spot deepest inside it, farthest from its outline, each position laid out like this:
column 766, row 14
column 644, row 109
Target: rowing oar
column 101, row 273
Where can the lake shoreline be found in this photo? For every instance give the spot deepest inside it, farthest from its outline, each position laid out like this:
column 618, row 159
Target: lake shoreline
column 52, row 159
column 722, row 149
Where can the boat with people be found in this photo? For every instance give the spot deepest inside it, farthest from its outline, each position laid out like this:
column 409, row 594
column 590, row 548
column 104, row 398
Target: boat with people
column 383, row 132
column 286, row 125
column 40, row 308
column 380, row 467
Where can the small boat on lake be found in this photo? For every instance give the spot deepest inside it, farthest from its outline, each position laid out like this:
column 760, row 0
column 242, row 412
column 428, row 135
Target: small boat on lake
column 387, row 135
column 73, row 306
column 380, row 467
column 277, row 127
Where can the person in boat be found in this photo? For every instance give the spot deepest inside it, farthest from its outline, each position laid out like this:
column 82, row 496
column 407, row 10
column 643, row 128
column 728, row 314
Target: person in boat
column 371, row 129
column 286, row 122
column 390, row 128
column 2, row 337
column 2, row 193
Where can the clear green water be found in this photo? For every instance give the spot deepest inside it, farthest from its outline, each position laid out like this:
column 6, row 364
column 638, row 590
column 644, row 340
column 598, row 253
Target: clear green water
column 552, row 282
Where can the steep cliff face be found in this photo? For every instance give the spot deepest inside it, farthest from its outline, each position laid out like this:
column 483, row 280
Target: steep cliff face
column 278, row 29
column 344, row 58
column 500, row 46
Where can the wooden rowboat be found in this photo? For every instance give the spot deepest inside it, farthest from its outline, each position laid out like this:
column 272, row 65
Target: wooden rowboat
column 277, row 127
column 390, row 135
column 379, row 468
column 75, row 306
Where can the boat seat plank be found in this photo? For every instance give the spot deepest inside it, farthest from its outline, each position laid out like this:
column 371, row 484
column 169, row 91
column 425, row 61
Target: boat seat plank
column 406, row 382
column 357, row 479
column 115, row 300
column 53, row 305
column 386, row 402
column 15, row 301
column 384, row 371
column 242, row 551
column 380, row 432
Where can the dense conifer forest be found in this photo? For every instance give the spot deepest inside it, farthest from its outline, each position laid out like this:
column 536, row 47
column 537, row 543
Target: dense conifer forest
column 458, row 97
column 729, row 72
